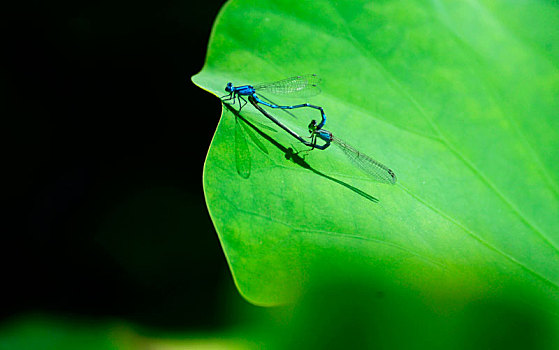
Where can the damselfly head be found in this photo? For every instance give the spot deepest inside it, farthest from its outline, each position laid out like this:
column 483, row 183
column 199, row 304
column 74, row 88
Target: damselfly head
column 312, row 126
column 229, row 87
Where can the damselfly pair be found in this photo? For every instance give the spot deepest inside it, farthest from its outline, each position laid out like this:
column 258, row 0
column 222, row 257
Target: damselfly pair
column 296, row 85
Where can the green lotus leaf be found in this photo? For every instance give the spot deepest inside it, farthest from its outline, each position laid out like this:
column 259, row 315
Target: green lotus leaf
column 459, row 98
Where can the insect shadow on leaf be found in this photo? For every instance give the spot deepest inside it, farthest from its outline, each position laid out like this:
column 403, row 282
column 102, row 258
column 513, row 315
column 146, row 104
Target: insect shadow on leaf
column 289, row 152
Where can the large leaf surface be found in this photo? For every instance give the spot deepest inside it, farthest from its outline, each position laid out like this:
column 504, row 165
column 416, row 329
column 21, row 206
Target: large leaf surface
column 460, row 99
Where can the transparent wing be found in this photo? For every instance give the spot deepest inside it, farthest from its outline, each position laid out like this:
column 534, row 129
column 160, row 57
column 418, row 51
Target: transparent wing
column 301, row 85
column 377, row 170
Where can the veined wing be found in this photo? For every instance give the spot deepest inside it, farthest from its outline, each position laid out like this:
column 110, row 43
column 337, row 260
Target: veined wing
column 377, row 170
column 301, row 85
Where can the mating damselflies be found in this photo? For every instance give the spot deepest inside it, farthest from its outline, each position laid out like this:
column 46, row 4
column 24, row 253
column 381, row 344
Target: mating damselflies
column 373, row 168
column 295, row 85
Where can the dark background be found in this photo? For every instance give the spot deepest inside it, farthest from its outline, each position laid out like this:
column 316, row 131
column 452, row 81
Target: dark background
column 105, row 145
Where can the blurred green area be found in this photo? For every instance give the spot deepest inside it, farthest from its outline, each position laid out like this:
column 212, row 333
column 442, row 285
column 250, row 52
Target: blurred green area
column 344, row 308
column 356, row 310
column 48, row 333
